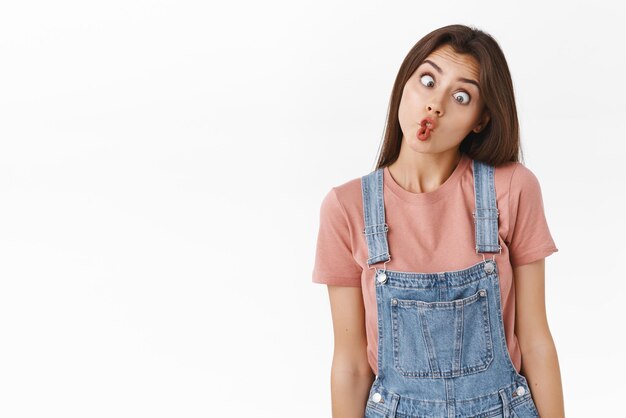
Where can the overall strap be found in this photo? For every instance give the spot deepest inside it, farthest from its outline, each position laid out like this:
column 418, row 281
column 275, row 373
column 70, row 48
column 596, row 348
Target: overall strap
column 374, row 215
column 486, row 213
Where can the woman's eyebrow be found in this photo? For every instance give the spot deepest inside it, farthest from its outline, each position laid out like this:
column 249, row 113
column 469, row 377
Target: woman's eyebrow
column 465, row 80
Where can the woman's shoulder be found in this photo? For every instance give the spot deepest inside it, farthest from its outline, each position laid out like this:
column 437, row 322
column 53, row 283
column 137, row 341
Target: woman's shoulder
column 515, row 176
column 344, row 197
column 349, row 188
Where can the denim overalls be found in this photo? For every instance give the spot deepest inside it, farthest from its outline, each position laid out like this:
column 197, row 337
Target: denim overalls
column 441, row 345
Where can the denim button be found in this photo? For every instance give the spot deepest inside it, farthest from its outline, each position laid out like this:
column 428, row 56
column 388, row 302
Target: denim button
column 394, row 301
column 377, row 397
column 489, row 267
column 482, row 293
column 520, row 391
column 382, row 277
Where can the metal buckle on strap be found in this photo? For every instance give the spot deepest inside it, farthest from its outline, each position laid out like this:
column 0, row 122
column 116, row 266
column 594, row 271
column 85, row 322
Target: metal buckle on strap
column 486, row 217
column 373, row 266
column 376, row 229
column 494, row 255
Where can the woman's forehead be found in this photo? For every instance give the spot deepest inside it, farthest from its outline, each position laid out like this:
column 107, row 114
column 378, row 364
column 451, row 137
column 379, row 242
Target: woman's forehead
column 446, row 57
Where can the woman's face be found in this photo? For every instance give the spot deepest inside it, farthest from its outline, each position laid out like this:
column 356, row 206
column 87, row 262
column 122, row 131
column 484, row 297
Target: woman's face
column 439, row 89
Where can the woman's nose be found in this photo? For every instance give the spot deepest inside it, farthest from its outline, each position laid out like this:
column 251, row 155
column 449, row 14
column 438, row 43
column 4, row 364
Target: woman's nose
column 434, row 108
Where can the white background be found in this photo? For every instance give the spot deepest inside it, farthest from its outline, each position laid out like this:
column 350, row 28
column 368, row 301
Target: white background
column 162, row 164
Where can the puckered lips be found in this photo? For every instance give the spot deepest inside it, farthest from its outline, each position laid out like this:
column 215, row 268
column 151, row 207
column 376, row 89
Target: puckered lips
column 427, row 125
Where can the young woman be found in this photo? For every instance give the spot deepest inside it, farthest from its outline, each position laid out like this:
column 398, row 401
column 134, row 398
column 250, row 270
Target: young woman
column 435, row 261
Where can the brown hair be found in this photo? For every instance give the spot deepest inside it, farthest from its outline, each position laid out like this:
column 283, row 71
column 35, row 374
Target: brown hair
column 495, row 144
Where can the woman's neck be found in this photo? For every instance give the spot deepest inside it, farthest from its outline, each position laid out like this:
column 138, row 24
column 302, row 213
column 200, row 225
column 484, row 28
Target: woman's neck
column 423, row 173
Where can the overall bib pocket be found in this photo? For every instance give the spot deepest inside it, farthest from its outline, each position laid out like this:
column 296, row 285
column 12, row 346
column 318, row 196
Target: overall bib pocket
column 441, row 338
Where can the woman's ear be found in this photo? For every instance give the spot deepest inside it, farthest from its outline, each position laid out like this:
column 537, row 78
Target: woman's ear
column 484, row 120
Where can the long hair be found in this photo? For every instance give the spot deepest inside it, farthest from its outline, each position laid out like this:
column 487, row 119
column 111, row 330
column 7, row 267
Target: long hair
column 498, row 142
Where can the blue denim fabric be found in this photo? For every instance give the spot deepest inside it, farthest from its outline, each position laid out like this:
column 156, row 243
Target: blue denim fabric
column 441, row 345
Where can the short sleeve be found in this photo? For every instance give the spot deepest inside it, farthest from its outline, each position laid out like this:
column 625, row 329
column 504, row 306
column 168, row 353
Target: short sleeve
column 334, row 261
column 530, row 238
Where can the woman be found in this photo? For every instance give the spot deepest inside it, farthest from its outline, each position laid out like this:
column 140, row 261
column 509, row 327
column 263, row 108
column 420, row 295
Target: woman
column 435, row 261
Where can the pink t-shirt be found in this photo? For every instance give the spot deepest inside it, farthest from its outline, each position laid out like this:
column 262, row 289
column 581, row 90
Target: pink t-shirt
column 433, row 232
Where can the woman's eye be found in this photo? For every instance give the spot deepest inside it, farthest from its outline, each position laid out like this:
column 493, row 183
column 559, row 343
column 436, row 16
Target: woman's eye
column 426, row 77
column 428, row 80
column 462, row 100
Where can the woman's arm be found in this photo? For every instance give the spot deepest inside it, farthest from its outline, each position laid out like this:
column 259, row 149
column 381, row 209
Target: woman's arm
column 540, row 364
column 351, row 376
